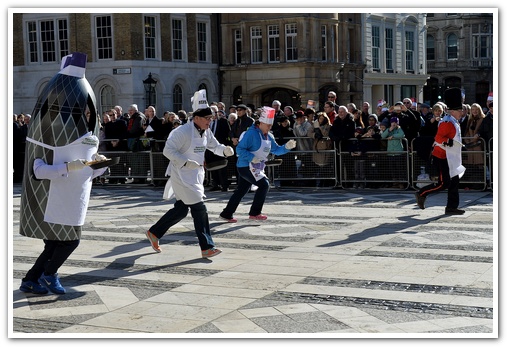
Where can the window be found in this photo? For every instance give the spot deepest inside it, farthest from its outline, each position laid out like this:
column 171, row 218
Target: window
column 106, row 99
column 177, row 98
column 389, row 50
column 409, row 51
column 104, row 37
column 323, row 40
column 375, row 47
column 63, row 37
column 407, row 91
column 177, row 35
column 201, row 41
column 150, row 36
column 291, row 34
column 48, row 40
column 256, row 44
column 430, row 48
column 238, row 48
column 482, row 39
column 273, row 44
column 452, row 46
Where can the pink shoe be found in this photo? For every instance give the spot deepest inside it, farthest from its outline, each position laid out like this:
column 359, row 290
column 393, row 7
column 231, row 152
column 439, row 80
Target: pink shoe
column 259, row 217
column 229, row 220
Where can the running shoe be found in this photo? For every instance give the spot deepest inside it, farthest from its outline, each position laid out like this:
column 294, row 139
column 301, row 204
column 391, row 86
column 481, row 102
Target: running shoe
column 153, row 241
column 52, row 282
column 32, row 287
column 210, row 252
column 259, row 217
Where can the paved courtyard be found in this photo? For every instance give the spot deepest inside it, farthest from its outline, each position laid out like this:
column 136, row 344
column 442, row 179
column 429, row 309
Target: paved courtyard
column 329, row 263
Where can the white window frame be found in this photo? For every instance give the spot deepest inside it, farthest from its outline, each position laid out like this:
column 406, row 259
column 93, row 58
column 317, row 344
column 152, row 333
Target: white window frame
column 273, row 43
column 389, row 52
column 291, row 37
column 35, row 52
column 410, row 55
column 256, row 44
column 206, row 21
column 155, row 36
column 97, row 49
column 184, row 52
column 375, row 47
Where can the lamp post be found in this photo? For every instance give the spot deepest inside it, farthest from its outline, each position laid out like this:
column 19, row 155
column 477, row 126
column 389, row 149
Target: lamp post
column 149, row 86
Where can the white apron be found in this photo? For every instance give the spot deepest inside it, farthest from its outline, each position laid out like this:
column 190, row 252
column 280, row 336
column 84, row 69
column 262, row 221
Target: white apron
column 68, row 197
column 453, row 153
column 187, row 184
column 262, row 153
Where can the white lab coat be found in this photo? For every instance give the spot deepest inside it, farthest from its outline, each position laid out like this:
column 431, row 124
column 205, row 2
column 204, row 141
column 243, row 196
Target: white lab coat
column 185, row 143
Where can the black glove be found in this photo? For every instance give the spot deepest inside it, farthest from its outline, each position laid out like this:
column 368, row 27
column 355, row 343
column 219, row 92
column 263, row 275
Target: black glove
column 449, row 143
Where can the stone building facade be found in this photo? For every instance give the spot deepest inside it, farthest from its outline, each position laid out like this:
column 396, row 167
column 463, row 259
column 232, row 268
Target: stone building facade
column 460, row 54
column 255, row 58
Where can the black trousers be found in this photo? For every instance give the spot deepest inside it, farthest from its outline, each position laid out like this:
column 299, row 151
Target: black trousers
column 177, row 213
column 53, row 256
column 444, row 182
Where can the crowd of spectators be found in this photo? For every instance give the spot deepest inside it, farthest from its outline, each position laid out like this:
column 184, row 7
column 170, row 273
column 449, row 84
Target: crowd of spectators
column 344, row 127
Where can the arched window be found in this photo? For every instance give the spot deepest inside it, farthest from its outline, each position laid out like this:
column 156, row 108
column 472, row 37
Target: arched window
column 177, row 98
column 430, row 48
column 452, row 46
column 107, row 98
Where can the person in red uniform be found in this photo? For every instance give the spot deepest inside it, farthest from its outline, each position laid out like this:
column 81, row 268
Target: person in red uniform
column 446, row 155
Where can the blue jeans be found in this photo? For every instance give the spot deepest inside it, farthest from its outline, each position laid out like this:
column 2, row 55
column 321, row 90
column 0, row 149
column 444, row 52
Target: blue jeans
column 180, row 211
column 246, row 179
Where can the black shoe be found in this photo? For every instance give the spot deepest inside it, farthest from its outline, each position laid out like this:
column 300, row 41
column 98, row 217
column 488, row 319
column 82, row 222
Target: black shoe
column 214, row 189
column 225, row 189
column 453, row 211
column 420, row 200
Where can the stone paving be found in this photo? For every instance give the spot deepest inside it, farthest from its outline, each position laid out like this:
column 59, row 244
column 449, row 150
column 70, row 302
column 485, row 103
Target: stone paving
column 340, row 263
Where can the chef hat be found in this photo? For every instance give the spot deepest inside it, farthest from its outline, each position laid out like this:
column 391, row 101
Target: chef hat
column 490, row 96
column 380, row 103
column 200, row 104
column 267, row 115
column 73, row 65
column 199, row 100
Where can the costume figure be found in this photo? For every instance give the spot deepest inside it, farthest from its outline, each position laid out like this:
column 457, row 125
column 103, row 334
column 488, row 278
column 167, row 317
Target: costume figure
column 447, row 155
column 57, row 182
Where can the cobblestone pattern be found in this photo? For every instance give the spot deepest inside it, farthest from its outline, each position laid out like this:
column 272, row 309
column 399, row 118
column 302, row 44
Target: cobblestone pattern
column 415, row 255
column 409, row 306
column 404, row 287
column 118, row 265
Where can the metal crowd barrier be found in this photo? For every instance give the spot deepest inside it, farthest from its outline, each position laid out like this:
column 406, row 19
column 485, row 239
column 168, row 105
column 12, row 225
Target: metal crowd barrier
column 490, row 163
column 372, row 169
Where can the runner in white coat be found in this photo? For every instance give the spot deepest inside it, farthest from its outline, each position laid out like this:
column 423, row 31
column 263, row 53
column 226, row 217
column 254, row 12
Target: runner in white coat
column 185, row 149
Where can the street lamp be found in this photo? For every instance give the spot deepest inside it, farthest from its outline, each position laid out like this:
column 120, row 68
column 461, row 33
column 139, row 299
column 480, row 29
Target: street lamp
column 149, row 86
